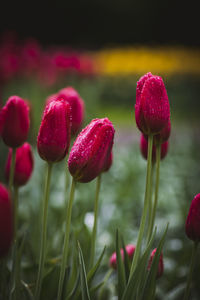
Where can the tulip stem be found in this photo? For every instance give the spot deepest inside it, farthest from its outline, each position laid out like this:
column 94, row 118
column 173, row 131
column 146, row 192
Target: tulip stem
column 158, row 151
column 94, row 231
column 66, row 241
column 44, row 232
column 145, row 208
column 15, row 264
column 192, row 263
column 12, row 169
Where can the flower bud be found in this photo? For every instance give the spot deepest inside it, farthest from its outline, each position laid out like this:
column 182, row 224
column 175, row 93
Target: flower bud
column 91, row 150
column 130, row 249
column 144, row 148
column 152, row 111
column 54, row 135
column 6, row 221
column 108, row 163
column 23, row 164
column 77, row 107
column 160, row 264
column 16, row 122
column 192, row 226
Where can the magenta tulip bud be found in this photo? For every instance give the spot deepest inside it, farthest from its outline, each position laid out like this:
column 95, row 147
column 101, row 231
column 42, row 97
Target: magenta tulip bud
column 144, row 149
column 192, row 226
column 15, row 115
column 108, row 163
column 160, row 264
column 91, row 150
column 23, row 164
column 164, row 135
column 130, row 249
column 6, row 221
column 54, row 135
column 77, row 107
column 152, row 110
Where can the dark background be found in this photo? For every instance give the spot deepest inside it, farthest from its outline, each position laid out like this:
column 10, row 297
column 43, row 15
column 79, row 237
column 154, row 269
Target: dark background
column 94, row 24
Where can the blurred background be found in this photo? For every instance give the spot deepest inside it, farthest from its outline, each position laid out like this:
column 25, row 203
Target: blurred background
column 102, row 48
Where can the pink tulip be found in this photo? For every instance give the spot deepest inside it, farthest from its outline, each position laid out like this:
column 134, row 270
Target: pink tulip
column 54, row 135
column 160, row 264
column 6, row 221
column 192, row 226
column 77, row 107
column 15, row 122
column 23, row 165
column 91, row 150
column 152, row 110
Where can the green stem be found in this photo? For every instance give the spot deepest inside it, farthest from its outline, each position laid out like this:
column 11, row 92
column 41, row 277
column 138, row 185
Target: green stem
column 44, row 232
column 66, row 241
column 158, row 151
column 192, row 263
column 150, row 199
column 12, row 169
column 94, row 231
column 145, row 208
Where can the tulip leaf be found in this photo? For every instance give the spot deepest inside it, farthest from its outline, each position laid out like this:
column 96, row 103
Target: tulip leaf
column 93, row 271
column 75, row 288
column 126, row 260
column 120, row 269
column 83, row 277
column 149, row 289
column 134, row 283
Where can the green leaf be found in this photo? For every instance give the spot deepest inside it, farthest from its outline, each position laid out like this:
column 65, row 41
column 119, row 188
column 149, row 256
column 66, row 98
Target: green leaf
column 75, row 288
column 95, row 288
column 149, row 290
column 137, row 278
column 120, row 269
column 84, row 284
column 93, row 271
column 126, row 260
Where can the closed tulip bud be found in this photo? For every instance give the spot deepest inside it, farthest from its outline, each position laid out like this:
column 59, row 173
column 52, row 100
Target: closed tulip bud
column 160, row 264
column 77, row 107
column 144, row 149
column 23, row 164
column 108, row 163
column 6, row 221
column 91, row 150
column 130, row 249
column 192, row 226
column 152, row 110
column 54, row 135
column 16, row 122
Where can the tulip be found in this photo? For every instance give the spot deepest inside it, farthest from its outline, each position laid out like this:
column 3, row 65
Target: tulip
column 152, row 111
column 130, row 249
column 6, row 221
column 192, row 229
column 144, row 149
column 192, row 226
column 77, row 107
column 91, row 150
column 54, row 135
column 15, row 115
column 160, row 264
column 23, row 164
